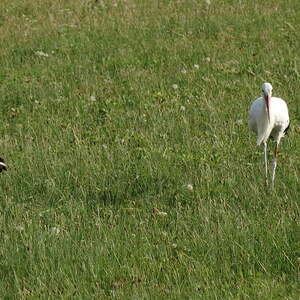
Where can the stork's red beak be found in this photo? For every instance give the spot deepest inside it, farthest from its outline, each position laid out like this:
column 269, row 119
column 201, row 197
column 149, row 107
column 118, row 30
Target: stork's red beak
column 267, row 101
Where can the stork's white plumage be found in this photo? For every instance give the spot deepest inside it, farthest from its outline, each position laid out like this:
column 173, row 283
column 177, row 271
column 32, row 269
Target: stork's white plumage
column 269, row 117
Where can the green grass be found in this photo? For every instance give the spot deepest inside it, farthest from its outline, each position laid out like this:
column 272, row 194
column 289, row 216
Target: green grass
column 120, row 186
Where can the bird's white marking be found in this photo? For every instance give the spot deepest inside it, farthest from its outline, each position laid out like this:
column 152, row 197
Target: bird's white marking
column 3, row 164
column 269, row 117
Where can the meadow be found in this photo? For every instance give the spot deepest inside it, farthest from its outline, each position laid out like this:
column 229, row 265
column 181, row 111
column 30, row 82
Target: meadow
column 132, row 171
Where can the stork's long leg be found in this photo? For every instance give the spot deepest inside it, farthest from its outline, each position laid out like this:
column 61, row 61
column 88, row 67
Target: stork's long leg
column 266, row 161
column 274, row 165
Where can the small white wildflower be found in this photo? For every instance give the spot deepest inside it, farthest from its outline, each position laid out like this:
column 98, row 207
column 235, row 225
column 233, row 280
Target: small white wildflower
column 36, row 102
column 182, row 108
column 175, row 86
column 183, row 71
column 174, row 245
column 55, row 230
column 162, row 213
column 239, row 122
column 208, row 2
column 93, row 98
column 190, row 187
column 41, row 53
column 206, row 59
column 20, row 228
column 157, row 212
column 196, row 66
column 104, row 146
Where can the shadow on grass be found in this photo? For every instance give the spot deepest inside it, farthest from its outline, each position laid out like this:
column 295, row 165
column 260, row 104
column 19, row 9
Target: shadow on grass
column 104, row 198
column 137, row 190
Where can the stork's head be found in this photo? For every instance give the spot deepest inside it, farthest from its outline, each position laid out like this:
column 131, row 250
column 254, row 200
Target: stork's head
column 267, row 89
column 267, row 94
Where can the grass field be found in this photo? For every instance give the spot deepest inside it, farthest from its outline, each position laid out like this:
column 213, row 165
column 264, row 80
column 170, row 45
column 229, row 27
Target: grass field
column 132, row 172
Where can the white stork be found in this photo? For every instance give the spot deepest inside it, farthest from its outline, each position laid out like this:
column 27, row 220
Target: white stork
column 269, row 117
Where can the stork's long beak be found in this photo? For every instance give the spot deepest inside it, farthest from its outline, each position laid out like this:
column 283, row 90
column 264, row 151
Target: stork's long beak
column 267, row 101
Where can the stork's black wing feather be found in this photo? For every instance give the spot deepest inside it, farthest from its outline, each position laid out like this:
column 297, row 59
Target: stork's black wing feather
column 288, row 127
